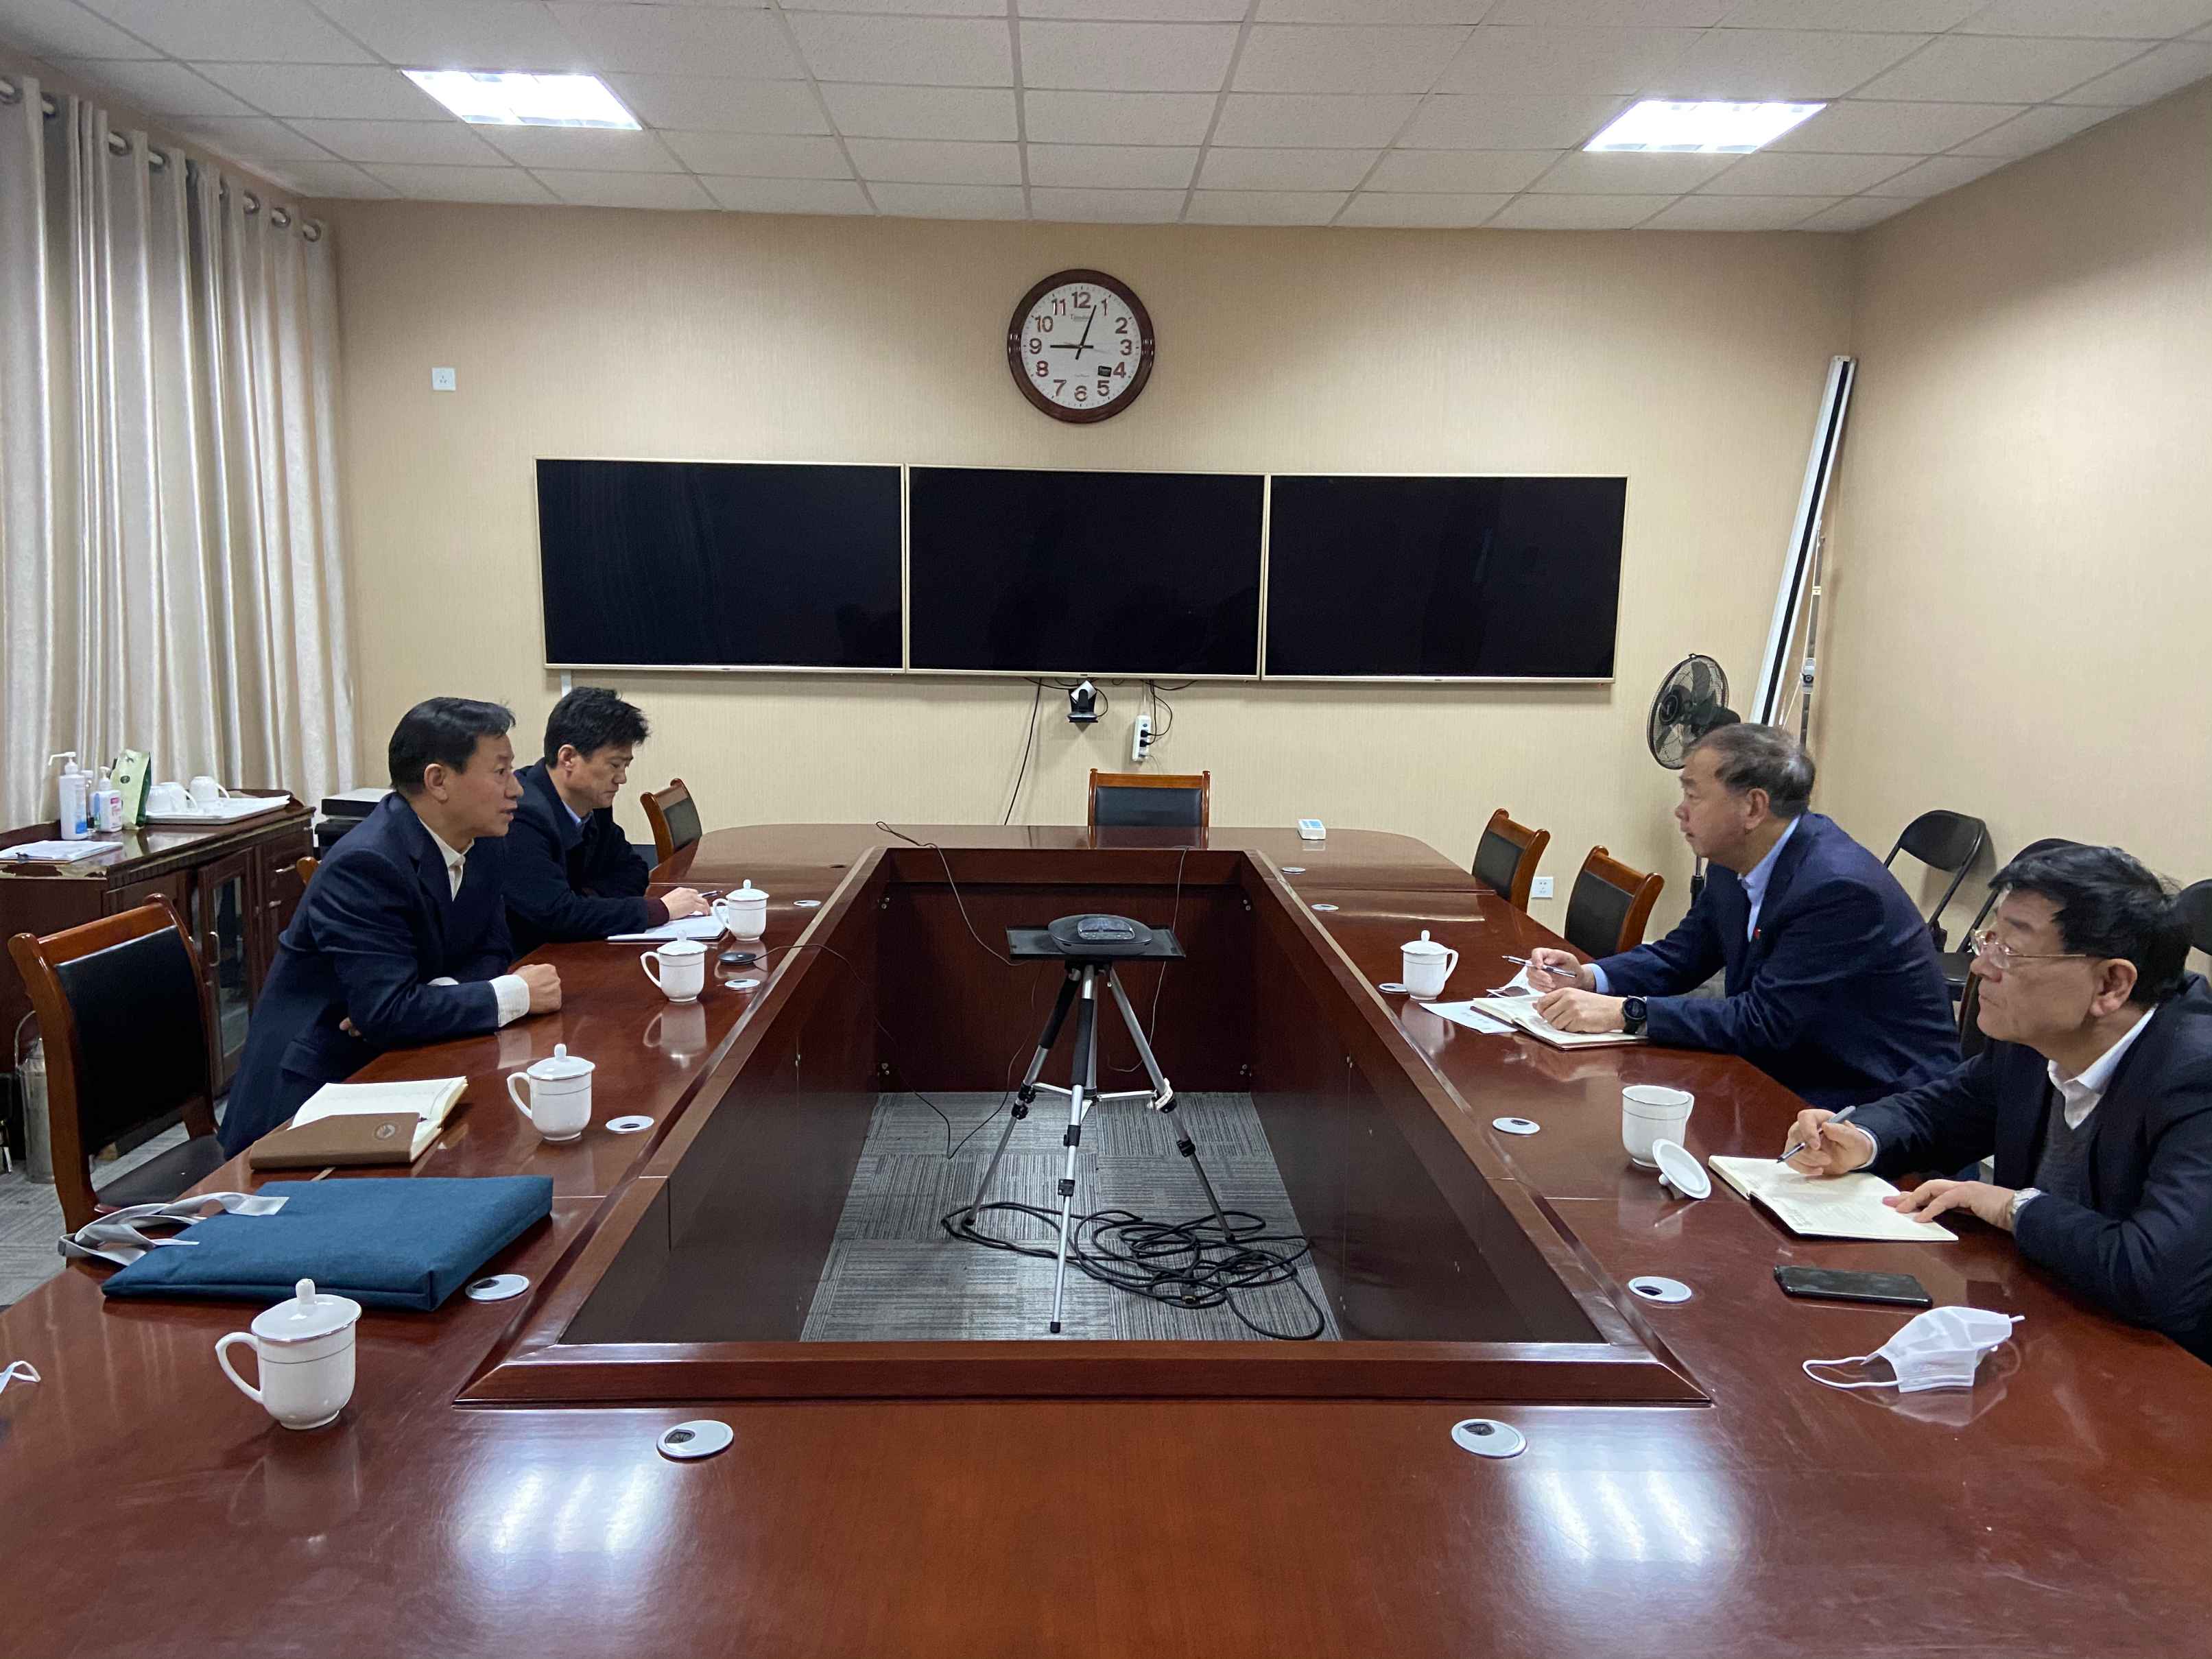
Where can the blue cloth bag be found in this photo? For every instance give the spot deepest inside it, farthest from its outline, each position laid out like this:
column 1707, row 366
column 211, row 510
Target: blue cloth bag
column 387, row 1243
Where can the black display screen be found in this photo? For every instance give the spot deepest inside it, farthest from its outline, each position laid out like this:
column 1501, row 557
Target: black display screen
column 1135, row 574
column 660, row 563
column 1458, row 578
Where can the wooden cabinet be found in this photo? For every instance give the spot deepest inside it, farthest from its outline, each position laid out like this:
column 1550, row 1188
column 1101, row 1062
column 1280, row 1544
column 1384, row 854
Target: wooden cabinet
column 235, row 889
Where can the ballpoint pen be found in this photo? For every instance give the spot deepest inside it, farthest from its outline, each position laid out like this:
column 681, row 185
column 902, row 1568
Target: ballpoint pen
column 1840, row 1117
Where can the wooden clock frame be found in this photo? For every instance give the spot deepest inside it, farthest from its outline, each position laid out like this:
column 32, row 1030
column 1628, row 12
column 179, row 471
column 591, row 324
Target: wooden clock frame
column 1019, row 366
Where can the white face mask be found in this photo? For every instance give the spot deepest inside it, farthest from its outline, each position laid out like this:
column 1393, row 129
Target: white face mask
column 1939, row 1349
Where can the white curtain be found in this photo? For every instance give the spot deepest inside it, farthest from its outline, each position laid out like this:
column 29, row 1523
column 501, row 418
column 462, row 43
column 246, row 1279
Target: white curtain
column 168, row 477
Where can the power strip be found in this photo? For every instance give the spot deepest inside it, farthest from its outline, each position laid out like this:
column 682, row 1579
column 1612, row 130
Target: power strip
column 1141, row 738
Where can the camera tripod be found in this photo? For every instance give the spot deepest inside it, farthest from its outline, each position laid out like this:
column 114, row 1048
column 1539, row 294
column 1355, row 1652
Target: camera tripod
column 1080, row 991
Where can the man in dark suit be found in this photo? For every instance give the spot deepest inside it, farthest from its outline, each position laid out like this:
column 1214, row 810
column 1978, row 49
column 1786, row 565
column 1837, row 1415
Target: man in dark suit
column 2094, row 1095
column 1833, row 986
column 571, row 872
column 402, row 937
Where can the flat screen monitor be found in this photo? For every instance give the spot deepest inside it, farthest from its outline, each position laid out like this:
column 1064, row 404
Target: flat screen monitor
column 1129, row 575
column 1448, row 578
column 719, row 564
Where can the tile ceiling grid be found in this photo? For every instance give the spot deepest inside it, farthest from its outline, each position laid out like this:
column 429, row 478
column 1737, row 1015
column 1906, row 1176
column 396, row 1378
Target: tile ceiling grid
column 1432, row 111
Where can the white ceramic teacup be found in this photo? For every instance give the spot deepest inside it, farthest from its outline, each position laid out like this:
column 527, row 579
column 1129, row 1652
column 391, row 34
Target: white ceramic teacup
column 166, row 798
column 303, row 1350
column 1425, row 966
column 743, row 912
column 678, row 968
column 559, row 1088
column 205, row 791
column 1649, row 1113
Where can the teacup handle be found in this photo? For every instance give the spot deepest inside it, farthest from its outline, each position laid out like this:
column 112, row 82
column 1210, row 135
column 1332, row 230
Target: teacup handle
column 515, row 1094
column 1451, row 961
column 222, row 1358
column 651, row 962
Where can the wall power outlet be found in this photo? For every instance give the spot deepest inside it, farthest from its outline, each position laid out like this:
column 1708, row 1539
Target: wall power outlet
column 1541, row 888
column 1141, row 737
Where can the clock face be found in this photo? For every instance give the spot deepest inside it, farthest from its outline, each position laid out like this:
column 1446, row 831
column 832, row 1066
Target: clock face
column 1080, row 346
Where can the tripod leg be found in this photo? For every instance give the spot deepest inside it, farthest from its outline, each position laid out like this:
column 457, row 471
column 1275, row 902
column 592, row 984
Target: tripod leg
column 1163, row 1102
column 1085, row 1086
column 1027, row 1092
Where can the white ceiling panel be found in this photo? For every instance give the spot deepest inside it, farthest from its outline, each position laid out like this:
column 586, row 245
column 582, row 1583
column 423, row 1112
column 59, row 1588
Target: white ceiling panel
column 62, row 28
column 165, row 87
column 626, row 189
column 1780, row 64
column 2157, row 72
column 1903, row 16
column 1611, row 14
column 690, row 39
column 1368, row 11
column 1993, row 69
column 894, row 8
column 1617, row 172
column 342, row 92
column 1739, row 212
column 1805, row 175
column 1263, row 206
column 235, row 31
column 1579, row 212
column 1856, row 214
column 2038, row 128
column 1320, row 59
column 1284, row 169
column 465, row 183
column 1516, row 59
column 864, row 111
column 459, row 35
column 340, row 179
column 935, row 161
column 949, row 201
column 788, row 195
column 252, row 138
column 2144, row 19
column 1118, row 118
column 1128, row 56
column 589, row 150
column 1851, row 127
column 767, row 155
column 1134, row 11
column 1113, row 166
column 1461, row 171
column 704, row 103
column 1439, row 210
column 1117, row 206
column 928, row 52
column 1471, row 122
column 1937, row 174
column 446, row 143
column 1329, row 120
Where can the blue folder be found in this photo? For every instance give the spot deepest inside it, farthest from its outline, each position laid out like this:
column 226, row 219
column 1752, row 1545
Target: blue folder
column 387, row 1243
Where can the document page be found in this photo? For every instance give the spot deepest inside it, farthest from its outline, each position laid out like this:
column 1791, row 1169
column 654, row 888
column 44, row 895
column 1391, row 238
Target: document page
column 1825, row 1206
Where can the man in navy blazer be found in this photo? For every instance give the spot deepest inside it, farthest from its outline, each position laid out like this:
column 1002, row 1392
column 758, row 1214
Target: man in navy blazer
column 1834, row 986
column 2094, row 1095
column 402, row 937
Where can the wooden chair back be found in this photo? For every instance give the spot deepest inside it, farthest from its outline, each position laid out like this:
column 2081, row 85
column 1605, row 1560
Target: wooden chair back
column 307, row 868
column 674, row 816
column 1150, row 800
column 1506, row 857
column 1610, row 906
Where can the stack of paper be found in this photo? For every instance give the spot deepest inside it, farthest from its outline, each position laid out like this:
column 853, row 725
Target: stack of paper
column 55, row 852
column 1825, row 1206
column 429, row 1099
column 1521, row 1013
column 698, row 928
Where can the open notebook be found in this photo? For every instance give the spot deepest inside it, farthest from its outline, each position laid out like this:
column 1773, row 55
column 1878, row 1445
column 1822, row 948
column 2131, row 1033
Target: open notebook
column 1520, row 1012
column 419, row 1107
column 1825, row 1206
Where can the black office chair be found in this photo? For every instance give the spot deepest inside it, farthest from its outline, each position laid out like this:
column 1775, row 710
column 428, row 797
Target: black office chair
column 1949, row 841
column 1506, row 857
column 1610, row 906
column 1150, row 800
column 125, row 1016
column 674, row 816
column 1956, row 962
column 2195, row 906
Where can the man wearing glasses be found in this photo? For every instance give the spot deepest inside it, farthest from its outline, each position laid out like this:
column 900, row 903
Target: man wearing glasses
column 2094, row 1095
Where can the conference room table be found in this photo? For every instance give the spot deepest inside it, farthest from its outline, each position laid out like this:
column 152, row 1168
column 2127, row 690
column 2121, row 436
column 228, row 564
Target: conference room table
column 472, row 1500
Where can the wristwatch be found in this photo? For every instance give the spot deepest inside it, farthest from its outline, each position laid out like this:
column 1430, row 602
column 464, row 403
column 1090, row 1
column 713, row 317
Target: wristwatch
column 2019, row 1203
column 1633, row 1015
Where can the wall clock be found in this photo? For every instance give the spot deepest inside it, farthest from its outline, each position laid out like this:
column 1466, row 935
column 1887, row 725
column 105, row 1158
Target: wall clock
column 1080, row 346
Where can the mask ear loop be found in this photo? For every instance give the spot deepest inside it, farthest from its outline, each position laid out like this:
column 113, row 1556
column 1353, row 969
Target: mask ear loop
column 22, row 1372
column 1855, row 1359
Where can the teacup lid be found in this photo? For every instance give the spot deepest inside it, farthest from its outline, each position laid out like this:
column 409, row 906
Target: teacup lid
column 1423, row 947
column 1680, row 1169
column 308, row 1315
column 682, row 947
column 747, row 894
column 560, row 1064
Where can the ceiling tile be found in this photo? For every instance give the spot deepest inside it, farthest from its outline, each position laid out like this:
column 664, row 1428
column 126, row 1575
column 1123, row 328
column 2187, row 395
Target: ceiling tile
column 2149, row 20
column 1516, row 59
column 254, row 138
column 582, row 149
column 1964, row 69
column 1469, row 123
column 1755, row 64
column 1470, row 172
column 62, row 28
column 1117, row 118
column 1263, row 206
column 1855, row 127
column 684, row 40
column 941, row 51
column 898, row 8
column 1611, row 14
column 432, row 142
column 1348, row 121
column 167, row 88
column 788, row 195
column 1620, row 173
column 701, row 103
column 1113, row 166
column 1906, row 16
column 627, row 190
column 935, row 161
column 2038, row 128
column 460, row 34
column 1939, row 173
column 1769, row 174
column 949, row 201
column 1371, row 12
column 1127, row 207
column 1443, row 211
column 2157, row 72
column 332, row 179
column 340, row 93
column 1284, row 169
column 1128, row 56
column 235, row 31
column 1856, row 214
column 1738, row 212
column 771, row 156
column 1137, row 11
column 1320, row 59
column 922, row 112
column 1577, row 212
column 464, row 184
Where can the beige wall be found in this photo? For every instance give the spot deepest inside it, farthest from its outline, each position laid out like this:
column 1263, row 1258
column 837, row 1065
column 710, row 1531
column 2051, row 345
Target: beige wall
column 1690, row 363
column 2020, row 623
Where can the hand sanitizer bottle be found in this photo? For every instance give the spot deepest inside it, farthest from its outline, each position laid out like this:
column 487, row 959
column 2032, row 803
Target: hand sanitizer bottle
column 106, row 805
column 71, row 790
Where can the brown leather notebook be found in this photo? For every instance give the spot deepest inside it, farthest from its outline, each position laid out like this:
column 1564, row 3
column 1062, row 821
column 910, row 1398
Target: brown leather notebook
column 353, row 1138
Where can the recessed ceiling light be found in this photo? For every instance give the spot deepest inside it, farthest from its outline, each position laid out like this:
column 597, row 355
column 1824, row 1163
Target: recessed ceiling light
column 1707, row 128
column 511, row 99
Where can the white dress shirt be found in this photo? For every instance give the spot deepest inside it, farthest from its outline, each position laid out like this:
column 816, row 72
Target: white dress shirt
column 2078, row 1094
column 512, row 994
column 1754, row 888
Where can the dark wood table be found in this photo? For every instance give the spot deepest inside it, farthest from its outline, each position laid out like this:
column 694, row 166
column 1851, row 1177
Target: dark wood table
column 2060, row 1507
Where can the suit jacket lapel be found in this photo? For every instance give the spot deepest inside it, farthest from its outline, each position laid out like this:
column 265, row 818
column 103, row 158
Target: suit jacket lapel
column 1786, row 865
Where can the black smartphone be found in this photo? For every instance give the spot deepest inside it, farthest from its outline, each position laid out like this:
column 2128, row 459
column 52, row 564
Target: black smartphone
column 1833, row 1284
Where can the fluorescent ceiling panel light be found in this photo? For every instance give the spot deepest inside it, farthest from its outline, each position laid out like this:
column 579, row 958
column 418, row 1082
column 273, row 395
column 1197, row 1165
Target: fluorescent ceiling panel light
column 1701, row 129
column 510, row 98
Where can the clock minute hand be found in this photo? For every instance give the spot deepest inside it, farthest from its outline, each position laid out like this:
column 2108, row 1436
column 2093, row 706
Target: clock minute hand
column 1083, row 345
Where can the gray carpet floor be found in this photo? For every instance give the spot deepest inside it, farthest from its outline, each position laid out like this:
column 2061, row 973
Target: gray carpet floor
column 894, row 1275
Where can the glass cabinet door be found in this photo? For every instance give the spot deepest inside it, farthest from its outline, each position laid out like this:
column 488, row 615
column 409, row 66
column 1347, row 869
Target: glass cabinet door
column 221, row 917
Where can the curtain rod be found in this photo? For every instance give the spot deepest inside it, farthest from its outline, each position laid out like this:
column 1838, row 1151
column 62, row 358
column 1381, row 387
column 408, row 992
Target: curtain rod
column 311, row 229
